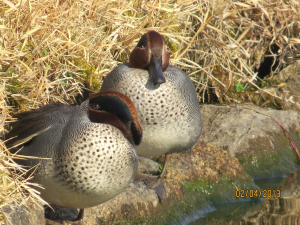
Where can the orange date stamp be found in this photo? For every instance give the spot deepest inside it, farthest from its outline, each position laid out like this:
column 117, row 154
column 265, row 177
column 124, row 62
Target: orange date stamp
column 257, row 193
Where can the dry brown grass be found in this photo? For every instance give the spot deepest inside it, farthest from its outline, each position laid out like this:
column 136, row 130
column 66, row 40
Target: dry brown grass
column 54, row 50
column 234, row 43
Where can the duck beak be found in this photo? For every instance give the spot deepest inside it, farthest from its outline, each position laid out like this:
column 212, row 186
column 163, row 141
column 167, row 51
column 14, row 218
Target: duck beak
column 155, row 70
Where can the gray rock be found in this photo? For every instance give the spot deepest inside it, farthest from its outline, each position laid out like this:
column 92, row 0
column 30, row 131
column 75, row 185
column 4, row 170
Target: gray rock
column 32, row 214
column 262, row 147
column 136, row 200
column 233, row 128
column 147, row 166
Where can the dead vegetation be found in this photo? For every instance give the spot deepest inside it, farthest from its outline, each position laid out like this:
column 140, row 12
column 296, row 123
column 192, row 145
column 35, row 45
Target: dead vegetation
column 59, row 50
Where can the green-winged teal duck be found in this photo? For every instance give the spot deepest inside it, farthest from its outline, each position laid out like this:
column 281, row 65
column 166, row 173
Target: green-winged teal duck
column 89, row 148
column 164, row 96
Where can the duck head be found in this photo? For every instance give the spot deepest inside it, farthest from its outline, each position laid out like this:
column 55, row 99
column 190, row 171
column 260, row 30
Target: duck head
column 118, row 110
column 151, row 53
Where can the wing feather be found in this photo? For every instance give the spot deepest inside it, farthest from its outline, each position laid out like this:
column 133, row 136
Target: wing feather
column 37, row 121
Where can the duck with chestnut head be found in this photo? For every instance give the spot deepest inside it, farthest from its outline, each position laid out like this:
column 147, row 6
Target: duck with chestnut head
column 86, row 153
column 165, row 98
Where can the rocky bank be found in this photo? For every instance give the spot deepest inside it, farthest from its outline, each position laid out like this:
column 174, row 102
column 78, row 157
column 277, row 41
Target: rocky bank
column 237, row 144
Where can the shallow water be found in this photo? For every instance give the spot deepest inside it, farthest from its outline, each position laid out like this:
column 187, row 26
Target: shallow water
column 271, row 210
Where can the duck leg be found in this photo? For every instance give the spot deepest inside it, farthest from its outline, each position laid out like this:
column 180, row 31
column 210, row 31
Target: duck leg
column 155, row 182
column 149, row 179
column 167, row 157
column 80, row 215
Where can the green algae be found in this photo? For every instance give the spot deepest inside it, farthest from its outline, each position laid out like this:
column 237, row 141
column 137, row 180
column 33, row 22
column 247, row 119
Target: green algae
column 266, row 162
column 199, row 194
column 166, row 213
column 221, row 190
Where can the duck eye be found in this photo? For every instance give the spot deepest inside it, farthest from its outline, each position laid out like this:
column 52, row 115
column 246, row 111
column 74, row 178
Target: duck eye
column 166, row 47
column 95, row 106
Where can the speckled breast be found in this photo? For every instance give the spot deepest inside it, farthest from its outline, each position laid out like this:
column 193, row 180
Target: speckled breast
column 169, row 113
column 98, row 164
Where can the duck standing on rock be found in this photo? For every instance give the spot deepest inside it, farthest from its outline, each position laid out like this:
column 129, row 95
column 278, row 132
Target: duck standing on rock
column 164, row 96
column 88, row 150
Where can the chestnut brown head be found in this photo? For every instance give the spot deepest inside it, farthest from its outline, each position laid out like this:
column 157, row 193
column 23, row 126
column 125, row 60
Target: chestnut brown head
column 152, row 54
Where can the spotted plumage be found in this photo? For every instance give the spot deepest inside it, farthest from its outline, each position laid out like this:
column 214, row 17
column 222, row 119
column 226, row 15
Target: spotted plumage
column 164, row 96
column 87, row 159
